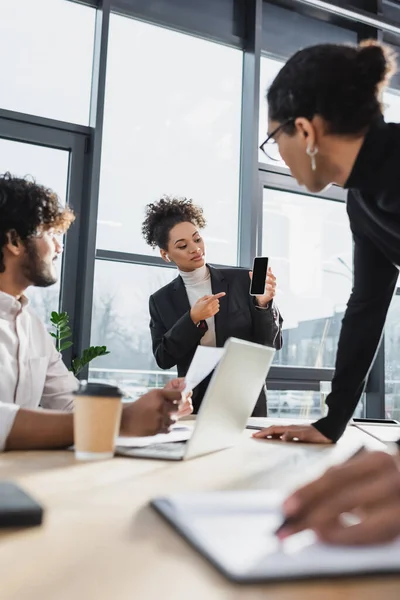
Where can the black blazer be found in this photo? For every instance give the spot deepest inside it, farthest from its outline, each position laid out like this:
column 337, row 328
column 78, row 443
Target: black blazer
column 175, row 336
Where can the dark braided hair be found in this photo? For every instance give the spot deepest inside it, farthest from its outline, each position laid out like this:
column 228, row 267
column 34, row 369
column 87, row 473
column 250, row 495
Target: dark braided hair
column 340, row 83
column 27, row 208
column 163, row 215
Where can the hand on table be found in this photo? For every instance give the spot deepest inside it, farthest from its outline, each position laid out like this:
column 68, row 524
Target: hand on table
column 206, row 307
column 290, row 433
column 367, row 486
column 185, row 407
column 270, row 289
column 152, row 413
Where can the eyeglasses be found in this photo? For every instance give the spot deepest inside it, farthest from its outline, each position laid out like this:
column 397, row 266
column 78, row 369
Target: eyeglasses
column 270, row 146
column 54, row 235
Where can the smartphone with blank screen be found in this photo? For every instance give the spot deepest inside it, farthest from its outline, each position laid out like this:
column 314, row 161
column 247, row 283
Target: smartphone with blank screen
column 260, row 268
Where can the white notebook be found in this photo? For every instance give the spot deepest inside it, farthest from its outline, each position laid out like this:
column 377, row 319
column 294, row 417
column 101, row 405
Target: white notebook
column 178, row 433
column 235, row 531
column 383, row 433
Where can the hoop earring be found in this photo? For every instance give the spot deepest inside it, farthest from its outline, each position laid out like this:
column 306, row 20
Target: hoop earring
column 312, row 154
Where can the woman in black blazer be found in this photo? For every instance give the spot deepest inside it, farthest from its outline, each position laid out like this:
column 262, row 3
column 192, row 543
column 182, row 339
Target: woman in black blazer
column 203, row 305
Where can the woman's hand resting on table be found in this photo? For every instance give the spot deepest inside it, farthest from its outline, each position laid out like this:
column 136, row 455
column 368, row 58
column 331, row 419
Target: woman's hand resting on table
column 290, row 433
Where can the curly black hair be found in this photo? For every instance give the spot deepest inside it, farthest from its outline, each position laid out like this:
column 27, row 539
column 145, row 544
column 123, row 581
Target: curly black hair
column 27, row 208
column 163, row 215
column 340, row 83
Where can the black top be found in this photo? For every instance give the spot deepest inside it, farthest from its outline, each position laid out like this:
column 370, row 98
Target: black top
column 175, row 336
column 373, row 206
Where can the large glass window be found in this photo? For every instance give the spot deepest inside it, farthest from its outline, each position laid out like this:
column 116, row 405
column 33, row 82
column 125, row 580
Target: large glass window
column 47, row 53
column 309, row 244
column 304, row 404
column 48, row 167
column 284, row 33
column 392, row 364
column 391, row 102
column 391, row 105
column 120, row 321
column 171, row 126
column 295, row 404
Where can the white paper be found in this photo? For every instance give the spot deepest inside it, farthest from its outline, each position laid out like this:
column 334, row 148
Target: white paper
column 204, row 362
column 236, row 529
column 383, row 433
column 178, row 433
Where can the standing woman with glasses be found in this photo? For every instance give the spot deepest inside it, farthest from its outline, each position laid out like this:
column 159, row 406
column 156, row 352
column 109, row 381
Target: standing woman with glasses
column 325, row 115
column 203, row 305
column 325, row 118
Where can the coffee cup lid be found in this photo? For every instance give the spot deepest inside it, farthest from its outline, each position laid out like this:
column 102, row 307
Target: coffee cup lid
column 98, row 389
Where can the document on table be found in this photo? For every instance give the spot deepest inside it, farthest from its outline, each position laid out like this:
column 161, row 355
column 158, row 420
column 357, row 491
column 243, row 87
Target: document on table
column 203, row 363
column 263, row 422
column 178, row 433
column 235, row 532
column 383, row 433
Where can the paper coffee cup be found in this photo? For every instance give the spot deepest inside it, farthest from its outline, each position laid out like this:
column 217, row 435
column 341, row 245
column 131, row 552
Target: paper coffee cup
column 97, row 419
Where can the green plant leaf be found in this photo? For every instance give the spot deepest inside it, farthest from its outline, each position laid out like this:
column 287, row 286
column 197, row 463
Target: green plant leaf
column 90, row 354
column 63, row 336
column 99, row 351
column 65, row 333
column 65, row 345
column 76, row 366
column 60, row 322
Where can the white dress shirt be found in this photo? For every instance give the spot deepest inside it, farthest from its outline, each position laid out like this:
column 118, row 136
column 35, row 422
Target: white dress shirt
column 31, row 370
column 198, row 284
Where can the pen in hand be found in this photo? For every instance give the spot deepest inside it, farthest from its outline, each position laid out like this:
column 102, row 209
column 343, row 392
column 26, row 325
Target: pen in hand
column 290, row 521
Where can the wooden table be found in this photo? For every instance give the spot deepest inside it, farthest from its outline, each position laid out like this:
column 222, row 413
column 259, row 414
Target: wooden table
column 101, row 541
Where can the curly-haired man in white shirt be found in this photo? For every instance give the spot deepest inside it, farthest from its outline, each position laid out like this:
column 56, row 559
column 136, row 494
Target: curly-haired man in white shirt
column 32, row 372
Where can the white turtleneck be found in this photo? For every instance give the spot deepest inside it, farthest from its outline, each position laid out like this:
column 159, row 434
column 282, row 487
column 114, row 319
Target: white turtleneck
column 198, row 284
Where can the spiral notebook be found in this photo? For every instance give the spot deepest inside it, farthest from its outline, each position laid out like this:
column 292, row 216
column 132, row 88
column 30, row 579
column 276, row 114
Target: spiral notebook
column 235, row 532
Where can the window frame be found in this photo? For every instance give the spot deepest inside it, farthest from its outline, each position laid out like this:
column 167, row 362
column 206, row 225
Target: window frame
column 279, row 178
column 72, row 139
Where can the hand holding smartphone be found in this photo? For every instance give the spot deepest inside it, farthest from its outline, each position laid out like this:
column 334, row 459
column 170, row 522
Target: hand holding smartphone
column 260, row 268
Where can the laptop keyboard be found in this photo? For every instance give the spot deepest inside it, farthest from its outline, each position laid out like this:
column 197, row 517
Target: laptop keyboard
column 169, row 449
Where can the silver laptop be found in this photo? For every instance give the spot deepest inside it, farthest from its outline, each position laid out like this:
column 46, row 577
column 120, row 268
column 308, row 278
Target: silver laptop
column 228, row 403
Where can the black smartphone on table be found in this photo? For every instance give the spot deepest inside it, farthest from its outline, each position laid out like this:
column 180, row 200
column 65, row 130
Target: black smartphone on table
column 376, row 421
column 17, row 507
column 260, row 269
